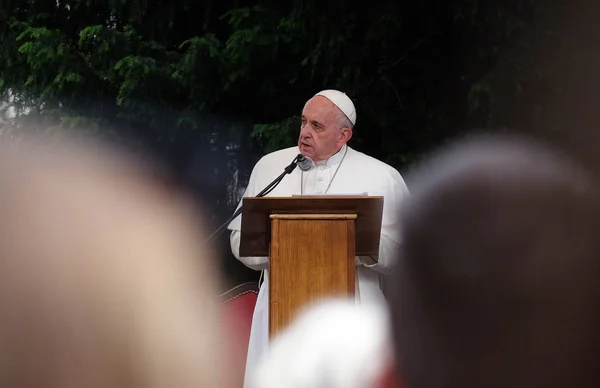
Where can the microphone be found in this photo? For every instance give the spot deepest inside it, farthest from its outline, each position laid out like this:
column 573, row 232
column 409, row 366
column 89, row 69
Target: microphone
column 304, row 162
column 300, row 160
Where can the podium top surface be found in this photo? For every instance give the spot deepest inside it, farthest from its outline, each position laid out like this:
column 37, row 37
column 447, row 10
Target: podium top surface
column 256, row 219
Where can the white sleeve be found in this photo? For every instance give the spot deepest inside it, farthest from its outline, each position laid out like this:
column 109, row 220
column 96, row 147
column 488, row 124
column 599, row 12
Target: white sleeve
column 394, row 194
column 253, row 262
column 256, row 263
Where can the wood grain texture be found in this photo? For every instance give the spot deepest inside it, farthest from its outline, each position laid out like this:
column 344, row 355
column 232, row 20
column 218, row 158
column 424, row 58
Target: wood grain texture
column 310, row 258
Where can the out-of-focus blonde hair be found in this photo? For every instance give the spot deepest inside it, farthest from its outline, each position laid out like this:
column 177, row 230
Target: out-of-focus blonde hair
column 104, row 281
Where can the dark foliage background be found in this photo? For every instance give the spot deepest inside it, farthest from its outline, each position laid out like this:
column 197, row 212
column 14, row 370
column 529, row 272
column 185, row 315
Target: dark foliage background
column 210, row 86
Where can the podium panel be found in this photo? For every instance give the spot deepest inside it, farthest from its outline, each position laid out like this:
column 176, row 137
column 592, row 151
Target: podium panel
column 256, row 233
column 311, row 256
column 312, row 243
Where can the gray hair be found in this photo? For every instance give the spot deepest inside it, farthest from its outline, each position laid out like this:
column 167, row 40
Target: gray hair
column 343, row 120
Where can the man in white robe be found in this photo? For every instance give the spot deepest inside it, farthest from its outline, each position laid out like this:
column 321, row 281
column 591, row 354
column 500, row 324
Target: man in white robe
column 328, row 119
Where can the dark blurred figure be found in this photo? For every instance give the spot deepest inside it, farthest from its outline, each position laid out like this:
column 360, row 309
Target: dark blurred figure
column 104, row 281
column 498, row 281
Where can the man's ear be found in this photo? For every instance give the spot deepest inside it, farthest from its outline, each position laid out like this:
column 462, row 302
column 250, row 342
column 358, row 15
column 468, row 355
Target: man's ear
column 345, row 135
column 389, row 379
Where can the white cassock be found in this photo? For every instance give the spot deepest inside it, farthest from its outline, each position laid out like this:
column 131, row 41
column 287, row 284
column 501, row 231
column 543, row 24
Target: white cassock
column 347, row 172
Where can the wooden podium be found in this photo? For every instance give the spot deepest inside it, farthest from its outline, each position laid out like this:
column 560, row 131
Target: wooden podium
column 312, row 242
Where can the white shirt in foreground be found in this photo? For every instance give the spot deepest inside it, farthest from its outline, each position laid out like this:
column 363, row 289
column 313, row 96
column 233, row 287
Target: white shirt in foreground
column 333, row 344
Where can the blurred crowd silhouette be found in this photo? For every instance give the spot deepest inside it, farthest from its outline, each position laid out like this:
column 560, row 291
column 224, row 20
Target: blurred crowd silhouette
column 105, row 279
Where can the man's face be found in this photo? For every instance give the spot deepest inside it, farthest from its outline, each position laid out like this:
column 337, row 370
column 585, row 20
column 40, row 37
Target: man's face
column 320, row 133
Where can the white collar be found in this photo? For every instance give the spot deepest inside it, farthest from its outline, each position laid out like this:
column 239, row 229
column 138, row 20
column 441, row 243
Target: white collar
column 334, row 159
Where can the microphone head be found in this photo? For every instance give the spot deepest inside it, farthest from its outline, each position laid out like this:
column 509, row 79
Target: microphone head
column 304, row 163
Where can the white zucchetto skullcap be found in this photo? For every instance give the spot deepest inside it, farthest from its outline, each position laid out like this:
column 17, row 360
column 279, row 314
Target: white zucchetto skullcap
column 342, row 101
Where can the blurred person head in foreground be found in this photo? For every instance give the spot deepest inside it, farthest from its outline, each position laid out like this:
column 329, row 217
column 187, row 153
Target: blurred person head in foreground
column 103, row 279
column 497, row 283
column 334, row 343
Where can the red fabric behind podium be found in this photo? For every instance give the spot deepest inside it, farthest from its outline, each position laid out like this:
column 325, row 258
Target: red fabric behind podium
column 237, row 308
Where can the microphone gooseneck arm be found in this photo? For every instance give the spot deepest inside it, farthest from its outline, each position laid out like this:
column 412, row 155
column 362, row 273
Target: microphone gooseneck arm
column 270, row 187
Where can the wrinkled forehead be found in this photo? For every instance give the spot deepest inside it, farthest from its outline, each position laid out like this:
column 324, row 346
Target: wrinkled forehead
column 319, row 108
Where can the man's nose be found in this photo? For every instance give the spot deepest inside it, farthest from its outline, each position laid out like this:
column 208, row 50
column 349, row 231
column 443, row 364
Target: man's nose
column 305, row 132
